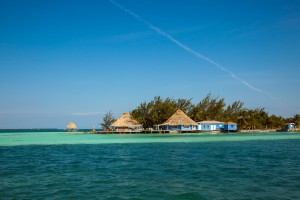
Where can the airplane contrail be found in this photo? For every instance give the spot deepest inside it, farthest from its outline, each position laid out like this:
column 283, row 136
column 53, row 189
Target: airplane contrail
column 188, row 49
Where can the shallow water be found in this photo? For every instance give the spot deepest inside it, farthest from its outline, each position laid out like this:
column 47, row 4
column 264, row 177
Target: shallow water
column 54, row 138
column 81, row 166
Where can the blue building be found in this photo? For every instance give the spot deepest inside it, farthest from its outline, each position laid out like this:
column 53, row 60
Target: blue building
column 289, row 127
column 229, row 127
column 210, row 126
column 178, row 122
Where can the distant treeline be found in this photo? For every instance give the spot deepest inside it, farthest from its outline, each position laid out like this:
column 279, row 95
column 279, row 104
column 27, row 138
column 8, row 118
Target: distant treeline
column 159, row 110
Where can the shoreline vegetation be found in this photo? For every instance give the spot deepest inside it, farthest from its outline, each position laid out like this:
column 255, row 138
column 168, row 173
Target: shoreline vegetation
column 100, row 131
column 155, row 112
column 150, row 116
column 190, row 132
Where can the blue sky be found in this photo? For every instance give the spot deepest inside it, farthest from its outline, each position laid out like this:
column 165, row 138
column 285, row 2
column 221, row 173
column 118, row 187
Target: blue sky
column 67, row 61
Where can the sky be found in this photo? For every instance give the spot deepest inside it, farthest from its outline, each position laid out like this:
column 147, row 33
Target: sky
column 63, row 61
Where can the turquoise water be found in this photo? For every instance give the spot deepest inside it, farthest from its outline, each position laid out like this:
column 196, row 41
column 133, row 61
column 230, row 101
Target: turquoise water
column 54, row 138
column 60, row 165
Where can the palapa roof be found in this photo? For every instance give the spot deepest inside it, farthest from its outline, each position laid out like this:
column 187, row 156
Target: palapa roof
column 71, row 125
column 210, row 122
column 125, row 120
column 179, row 118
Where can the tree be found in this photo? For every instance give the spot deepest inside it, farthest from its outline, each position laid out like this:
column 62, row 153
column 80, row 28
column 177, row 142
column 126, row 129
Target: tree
column 159, row 110
column 107, row 120
column 296, row 119
column 209, row 108
column 235, row 112
column 242, row 119
column 184, row 104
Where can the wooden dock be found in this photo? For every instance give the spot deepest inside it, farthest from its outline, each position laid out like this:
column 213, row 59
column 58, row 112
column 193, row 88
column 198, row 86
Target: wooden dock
column 145, row 132
column 132, row 132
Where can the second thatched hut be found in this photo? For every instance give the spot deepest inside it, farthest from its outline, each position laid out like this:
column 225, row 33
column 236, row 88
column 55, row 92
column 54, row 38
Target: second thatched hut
column 125, row 123
column 179, row 122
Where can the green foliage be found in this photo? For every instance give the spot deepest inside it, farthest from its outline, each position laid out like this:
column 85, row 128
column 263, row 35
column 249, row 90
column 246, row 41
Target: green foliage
column 296, row 120
column 208, row 109
column 236, row 112
column 107, row 120
column 159, row 110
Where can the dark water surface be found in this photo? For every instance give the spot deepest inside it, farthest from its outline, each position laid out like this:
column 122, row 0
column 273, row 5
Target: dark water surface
column 208, row 170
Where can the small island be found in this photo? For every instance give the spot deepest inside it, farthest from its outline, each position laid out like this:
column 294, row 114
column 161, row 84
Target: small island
column 210, row 115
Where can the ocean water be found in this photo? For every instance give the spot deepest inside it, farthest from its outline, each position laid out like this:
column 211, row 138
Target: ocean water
column 58, row 165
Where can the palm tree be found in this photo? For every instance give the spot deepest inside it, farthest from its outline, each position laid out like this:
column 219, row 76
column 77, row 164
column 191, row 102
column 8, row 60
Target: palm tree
column 296, row 119
column 241, row 121
column 107, row 120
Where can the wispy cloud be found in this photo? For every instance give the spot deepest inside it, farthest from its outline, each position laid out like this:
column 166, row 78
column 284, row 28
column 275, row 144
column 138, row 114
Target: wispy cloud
column 188, row 49
column 23, row 113
column 129, row 36
column 87, row 113
column 145, row 34
column 242, row 31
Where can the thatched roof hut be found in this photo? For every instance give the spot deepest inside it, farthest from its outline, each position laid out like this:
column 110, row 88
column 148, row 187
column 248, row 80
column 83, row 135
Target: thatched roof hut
column 180, row 118
column 126, row 123
column 71, row 126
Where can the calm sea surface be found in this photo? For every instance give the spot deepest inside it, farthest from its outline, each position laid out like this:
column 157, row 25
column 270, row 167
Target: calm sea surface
column 57, row 165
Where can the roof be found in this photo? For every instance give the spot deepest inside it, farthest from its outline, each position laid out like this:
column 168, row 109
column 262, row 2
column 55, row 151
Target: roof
column 71, row 125
column 230, row 122
column 125, row 120
column 210, row 122
column 290, row 123
column 179, row 118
